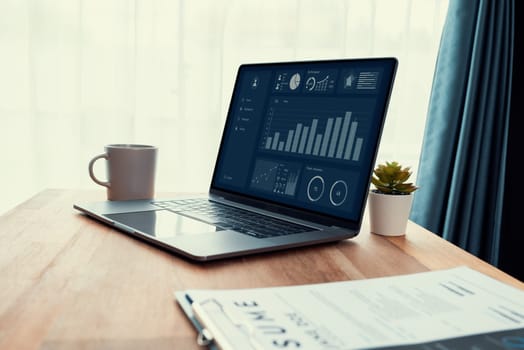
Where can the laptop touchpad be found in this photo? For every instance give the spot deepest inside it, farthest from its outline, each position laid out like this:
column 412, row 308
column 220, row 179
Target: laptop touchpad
column 163, row 223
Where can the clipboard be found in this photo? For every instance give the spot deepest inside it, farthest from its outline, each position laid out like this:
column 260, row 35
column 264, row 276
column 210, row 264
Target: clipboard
column 206, row 315
column 343, row 315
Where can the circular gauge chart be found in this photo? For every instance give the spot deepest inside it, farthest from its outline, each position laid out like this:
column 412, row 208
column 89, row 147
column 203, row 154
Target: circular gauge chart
column 310, row 83
column 315, row 188
column 338, row 193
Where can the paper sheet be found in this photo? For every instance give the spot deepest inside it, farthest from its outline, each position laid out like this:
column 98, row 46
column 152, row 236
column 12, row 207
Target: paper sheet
column 432, row 310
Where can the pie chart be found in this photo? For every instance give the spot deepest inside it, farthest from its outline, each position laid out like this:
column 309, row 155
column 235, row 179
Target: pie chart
column 294, row 82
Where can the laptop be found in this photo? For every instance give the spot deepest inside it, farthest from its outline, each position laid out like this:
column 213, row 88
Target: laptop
column 293, row 167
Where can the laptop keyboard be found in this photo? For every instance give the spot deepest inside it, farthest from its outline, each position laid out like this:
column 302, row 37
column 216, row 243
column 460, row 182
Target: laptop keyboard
column 231, row 218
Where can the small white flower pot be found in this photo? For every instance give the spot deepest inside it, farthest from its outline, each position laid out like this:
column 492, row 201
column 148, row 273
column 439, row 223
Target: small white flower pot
column 388, row 214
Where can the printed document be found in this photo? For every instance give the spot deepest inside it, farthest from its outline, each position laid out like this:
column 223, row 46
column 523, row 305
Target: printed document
column 458, row 308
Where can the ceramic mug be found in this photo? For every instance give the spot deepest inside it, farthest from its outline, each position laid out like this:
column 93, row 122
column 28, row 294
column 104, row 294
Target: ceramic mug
column 130, row 171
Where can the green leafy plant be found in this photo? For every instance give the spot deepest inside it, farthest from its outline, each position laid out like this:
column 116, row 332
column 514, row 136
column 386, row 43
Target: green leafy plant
column 391, row 177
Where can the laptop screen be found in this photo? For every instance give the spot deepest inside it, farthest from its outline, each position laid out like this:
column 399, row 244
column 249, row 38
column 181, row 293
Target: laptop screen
column 305, row 135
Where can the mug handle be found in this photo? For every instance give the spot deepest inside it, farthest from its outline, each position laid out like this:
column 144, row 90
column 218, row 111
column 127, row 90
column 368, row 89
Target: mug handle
column 92, row 174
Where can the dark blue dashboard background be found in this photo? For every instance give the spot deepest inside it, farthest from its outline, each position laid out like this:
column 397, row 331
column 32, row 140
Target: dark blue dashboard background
column 305, row 135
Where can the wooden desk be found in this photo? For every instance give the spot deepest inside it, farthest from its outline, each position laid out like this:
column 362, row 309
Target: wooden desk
column 67, row 282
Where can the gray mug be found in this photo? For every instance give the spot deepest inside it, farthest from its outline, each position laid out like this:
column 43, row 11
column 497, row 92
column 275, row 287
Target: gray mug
column 130, row 171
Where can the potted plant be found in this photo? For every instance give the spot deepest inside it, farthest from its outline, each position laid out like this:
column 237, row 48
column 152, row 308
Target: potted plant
column 390, row 202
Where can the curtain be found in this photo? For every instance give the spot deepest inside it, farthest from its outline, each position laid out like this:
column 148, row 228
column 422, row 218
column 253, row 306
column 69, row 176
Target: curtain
column 79, row 74
column 463, row 159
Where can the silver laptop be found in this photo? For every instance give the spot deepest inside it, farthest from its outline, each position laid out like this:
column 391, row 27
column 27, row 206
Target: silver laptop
column 293, row 168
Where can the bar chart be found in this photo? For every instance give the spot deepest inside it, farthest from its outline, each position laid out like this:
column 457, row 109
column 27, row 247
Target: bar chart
column 334, row 137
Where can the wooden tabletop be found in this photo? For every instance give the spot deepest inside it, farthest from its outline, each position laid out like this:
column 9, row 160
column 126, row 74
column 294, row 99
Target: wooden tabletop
column 67, row 282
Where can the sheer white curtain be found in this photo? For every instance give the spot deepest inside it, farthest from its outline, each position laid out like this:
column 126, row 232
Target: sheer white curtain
column 78, row 74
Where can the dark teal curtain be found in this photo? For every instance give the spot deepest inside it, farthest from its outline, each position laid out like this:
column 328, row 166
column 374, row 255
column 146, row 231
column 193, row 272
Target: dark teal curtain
column 463, row 159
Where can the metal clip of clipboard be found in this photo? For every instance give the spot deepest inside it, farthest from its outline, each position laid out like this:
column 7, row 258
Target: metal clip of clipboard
column 215, row 329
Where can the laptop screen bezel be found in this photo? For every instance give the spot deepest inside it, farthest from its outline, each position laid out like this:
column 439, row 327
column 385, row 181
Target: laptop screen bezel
column 289, row 210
